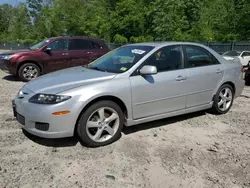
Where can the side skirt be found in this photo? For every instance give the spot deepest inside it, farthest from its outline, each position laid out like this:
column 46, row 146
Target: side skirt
column 131, row 122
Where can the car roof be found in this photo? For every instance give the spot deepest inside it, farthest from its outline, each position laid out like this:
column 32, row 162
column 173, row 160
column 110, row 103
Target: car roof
column 157, row 44
column 74, row 37
column 234, row 51
column 239, row 51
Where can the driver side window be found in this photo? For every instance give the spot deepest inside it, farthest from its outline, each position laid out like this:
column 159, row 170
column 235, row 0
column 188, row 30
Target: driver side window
column 58, row 45
column 167, row 59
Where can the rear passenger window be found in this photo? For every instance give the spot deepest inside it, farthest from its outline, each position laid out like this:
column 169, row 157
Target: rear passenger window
column 95, row 45
column 79, row 44
column 197, row 57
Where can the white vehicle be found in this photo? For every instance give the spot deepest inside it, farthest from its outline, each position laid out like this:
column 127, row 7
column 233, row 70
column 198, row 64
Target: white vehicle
column 244, row 56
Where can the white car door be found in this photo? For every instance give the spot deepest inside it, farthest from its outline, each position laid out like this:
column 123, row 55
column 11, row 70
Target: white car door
column 245, row 58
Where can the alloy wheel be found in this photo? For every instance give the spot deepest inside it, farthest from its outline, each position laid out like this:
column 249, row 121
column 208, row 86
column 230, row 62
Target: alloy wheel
column 225, row 99
column 30, row 72
column 102, row 124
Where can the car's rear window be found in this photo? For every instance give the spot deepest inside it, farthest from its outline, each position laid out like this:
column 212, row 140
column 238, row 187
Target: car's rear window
column 232, row 53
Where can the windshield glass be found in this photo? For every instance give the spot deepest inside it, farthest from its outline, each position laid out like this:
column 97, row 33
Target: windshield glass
column 232, row 53
column 39, row 45
column 120, row 60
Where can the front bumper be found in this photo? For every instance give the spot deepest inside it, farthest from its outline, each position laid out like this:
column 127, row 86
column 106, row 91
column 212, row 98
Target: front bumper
column 34, row 114
column 7, row 66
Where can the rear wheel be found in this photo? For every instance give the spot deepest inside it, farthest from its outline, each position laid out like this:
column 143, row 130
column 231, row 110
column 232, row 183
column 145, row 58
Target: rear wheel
column 223, row 99
column 101, row 124
column 247, row 80
column 28, row 71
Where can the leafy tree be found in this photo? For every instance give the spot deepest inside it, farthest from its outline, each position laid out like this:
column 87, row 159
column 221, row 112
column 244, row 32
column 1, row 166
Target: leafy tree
column 19, row 29
column 243, row 26
column 6, row 13
column 127, row 21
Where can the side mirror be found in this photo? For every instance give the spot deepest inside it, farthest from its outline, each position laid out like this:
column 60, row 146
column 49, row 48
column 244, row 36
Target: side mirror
column 148, row 70
column 47, row 49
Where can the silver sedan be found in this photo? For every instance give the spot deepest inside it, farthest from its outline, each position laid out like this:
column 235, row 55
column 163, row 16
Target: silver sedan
column 133, row 84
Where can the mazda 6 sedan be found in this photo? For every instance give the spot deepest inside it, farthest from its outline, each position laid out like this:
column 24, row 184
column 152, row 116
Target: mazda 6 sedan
column 130, row 85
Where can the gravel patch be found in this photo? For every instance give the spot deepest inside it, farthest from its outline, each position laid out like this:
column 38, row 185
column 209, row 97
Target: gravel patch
column 194, row 150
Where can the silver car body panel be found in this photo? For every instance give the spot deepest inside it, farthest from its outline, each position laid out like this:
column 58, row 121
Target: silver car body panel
column 146, row 98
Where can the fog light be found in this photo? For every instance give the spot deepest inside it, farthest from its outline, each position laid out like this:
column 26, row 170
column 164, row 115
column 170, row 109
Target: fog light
column 42, row 126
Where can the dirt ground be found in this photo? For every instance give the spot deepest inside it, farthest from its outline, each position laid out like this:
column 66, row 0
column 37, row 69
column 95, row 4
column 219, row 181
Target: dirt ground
column 196, row 150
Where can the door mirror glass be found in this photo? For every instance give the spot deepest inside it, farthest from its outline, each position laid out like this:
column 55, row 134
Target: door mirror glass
column 148, row 70
column 47, row 49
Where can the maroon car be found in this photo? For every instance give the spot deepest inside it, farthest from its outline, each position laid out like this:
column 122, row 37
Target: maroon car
column 51, row 55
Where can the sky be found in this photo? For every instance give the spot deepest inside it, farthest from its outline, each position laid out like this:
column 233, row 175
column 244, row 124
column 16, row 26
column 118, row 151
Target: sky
column 12, row 2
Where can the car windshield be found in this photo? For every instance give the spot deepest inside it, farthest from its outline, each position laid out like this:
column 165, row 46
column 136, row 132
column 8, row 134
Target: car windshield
column 39, row 45
column 120, row 60
column 232, row 53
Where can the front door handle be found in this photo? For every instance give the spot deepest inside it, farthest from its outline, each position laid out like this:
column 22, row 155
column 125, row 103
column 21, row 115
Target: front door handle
column 218, row 71
column 65, row 54
column 180, row 78
column 90, row 52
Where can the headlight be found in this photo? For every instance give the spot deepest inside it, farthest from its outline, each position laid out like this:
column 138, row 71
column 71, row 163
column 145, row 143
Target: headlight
column 48, row 98
column 6, row 57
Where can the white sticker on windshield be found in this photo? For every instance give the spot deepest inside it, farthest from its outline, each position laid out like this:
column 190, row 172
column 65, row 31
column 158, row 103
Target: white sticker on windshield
column 137, row 51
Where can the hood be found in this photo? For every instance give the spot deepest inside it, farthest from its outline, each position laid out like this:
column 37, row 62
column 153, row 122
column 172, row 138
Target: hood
column 14, row 52
column 66, row 79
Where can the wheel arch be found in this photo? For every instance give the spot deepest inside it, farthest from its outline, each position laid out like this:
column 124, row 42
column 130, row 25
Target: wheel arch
column 29, row 61
column 114, row 99
column 231, row 84
column 227, row 82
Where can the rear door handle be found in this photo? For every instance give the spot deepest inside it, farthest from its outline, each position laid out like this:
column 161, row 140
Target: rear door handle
column 218, row 71
column 65, row 54
column 90, row 52
column 180, row 78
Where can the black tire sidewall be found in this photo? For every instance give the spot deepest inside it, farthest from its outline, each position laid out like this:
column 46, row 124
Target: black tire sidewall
column 216, row 108
column 20, row 71
column 81, row 125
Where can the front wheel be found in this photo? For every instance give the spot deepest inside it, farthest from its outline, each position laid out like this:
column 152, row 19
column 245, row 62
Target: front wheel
column 28, row 71
column 101, row 124
column 223, row 99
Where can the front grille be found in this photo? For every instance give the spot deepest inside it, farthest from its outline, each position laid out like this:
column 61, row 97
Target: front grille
column 42, row 126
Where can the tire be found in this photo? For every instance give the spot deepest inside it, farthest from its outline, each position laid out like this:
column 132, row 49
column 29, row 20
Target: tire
column 223, row 104
column 247, row 81
column 92, row 129
column 33, row 72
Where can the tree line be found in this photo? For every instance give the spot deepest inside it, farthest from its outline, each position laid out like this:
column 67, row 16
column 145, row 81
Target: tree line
column 123, row 21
